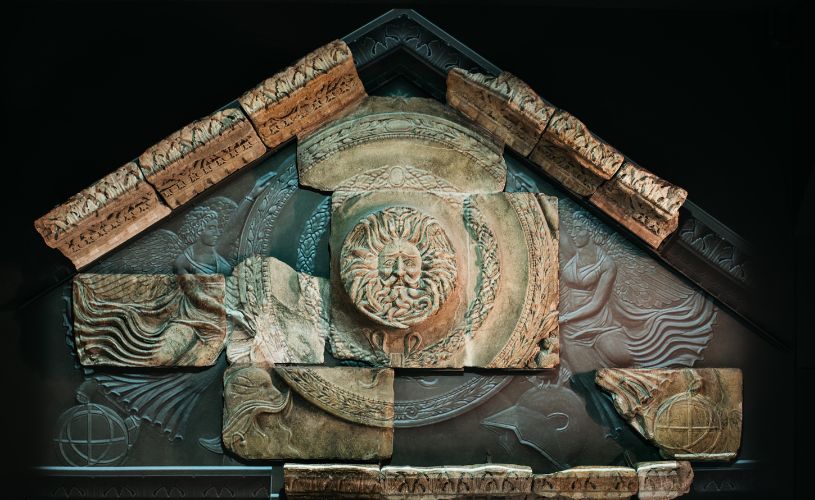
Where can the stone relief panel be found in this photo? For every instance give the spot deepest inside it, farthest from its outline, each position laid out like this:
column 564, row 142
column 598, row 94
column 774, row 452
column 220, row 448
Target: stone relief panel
column 691, row 414
column 308, row 413
column 417, row 280
column 149, row 320
column 278, row 315
column 434, row 147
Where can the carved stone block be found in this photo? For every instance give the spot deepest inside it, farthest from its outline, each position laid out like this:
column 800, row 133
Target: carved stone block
column 103, row 216
column 302, row 96
column 504, row 105
column 559, row 165
column 404, row 144
column 305, row 413
column 149, row 320
column 470, row 481
column 319, row 481
column 278, row 315
column 573, row 156
column 487, row 481
column 642, row 202
column 445, row 280
column 664, row 480
column 586, row 482
column 690, row 414
column 201, row 155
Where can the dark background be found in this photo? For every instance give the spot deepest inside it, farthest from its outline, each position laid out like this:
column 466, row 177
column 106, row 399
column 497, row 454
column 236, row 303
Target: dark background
column 709, row 95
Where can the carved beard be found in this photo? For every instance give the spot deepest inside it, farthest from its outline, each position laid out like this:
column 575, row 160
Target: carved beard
column 399, row 299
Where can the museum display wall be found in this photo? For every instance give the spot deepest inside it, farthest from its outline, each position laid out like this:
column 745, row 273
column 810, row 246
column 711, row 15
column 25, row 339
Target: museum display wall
column 405, row 274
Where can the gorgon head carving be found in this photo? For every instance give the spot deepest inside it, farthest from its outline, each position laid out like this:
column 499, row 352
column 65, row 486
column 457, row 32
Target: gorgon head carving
column 398, row 266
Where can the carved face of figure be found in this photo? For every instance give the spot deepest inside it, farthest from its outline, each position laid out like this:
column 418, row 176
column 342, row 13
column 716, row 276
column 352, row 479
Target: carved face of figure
column 580, row 232
column 209, row 236
column 398, row 266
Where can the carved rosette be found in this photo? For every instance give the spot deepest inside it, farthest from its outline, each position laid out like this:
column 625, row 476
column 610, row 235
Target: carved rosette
column 299, row 98
column 642, row 202
column 102, row 216
column 200, row 155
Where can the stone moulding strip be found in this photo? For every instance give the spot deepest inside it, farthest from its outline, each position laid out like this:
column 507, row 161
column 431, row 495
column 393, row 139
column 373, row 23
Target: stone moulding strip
column 103, row 216
column 169, row 174
column 200, row 155
column 298, row 99
column 650, row 480
column 564, row 148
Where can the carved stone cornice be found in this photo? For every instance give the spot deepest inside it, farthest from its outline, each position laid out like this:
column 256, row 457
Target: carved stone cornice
column 102, row 216
column 200, row 155
column 300, row 97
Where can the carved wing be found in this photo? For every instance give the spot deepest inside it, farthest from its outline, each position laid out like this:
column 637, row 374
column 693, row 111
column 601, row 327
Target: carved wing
column 641, row 280
column 164, row 399
column 152, row 254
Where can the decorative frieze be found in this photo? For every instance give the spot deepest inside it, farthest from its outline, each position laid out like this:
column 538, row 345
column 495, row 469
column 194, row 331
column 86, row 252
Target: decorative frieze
column 586, row 482
column 642, row 202
column 413, row 144
column 504, row 105
column 690, row 414
column 304, row 95
column 102, row 216
column 487, row 481
column 305, row 413
column 664, row 480
column 149, row 320
column 200, row 155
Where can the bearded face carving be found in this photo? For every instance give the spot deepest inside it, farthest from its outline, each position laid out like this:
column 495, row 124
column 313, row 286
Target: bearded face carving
column 398, row 266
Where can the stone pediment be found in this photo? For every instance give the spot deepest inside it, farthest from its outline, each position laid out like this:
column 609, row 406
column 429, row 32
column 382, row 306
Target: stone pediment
column 301, row 184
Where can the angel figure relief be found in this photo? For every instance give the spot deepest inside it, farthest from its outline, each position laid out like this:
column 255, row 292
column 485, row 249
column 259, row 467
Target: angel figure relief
column 205, row 243
column 622, row 309
column 618, row 308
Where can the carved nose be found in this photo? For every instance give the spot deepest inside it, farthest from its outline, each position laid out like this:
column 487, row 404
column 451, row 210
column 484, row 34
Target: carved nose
column 400, row 267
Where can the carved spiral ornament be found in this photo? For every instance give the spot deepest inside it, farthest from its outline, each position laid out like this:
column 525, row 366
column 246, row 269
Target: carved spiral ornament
column 398, row 266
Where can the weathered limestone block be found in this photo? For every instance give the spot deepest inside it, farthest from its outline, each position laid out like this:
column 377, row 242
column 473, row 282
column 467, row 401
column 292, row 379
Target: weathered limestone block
column 302, row 96
column 445, row 280
column 278, row 315
column 570, row 153
column 690, row 414
column 504, row 105
column 412, row 144
column 309, row 413
column 149, row 320
column 200, row 155
column 102, row 216
column 664, row 480
column 487, row 481
column 642, row 202
column 319, row 481
column 465, row 481
column 586, row 482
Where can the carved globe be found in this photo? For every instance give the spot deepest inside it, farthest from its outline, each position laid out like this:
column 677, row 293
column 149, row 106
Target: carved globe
column 398, row 266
